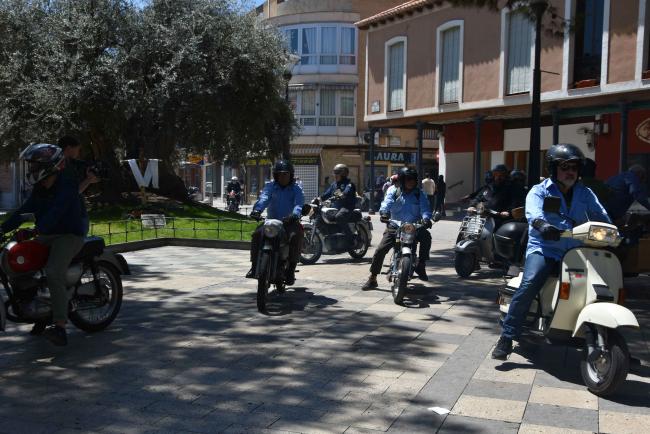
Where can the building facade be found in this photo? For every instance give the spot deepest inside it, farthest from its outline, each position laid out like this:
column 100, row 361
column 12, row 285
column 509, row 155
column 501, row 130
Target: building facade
column 467, row 75
column 327, row 91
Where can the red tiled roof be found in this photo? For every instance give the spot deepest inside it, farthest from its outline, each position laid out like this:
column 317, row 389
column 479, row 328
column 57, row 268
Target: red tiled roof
column 395, row 11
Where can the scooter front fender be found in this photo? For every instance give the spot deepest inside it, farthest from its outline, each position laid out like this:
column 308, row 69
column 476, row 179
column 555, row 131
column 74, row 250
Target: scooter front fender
column 608, row 315
column 406, row 250
column 467, row 246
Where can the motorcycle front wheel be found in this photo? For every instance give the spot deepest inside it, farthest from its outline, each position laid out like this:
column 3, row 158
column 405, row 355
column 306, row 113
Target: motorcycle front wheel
column 311, row 252
column 605, row 374
column 464, row 263
column 263, row 284
column 360, row 250
column 398, row 288
column 95, row 312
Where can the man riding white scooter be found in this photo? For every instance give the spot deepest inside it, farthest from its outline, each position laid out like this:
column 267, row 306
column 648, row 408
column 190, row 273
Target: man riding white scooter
column 545, row 246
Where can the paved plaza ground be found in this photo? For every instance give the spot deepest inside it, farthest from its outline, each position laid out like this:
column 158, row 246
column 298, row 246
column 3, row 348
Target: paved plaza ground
column 190, row 353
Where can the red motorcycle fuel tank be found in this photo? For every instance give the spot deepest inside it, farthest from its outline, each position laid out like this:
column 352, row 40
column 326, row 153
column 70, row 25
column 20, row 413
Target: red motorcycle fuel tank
column 27, row 256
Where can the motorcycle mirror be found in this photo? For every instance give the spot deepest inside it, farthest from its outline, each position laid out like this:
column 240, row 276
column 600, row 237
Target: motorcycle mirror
column 436, row 216
column 306, row 208
column 28, row 217
column 552, row 204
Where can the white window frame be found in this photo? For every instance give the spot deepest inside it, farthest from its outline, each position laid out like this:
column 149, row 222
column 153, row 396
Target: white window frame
column 642, row 42
column 317, row 129
column 503, row 60
column 442, row 28
column 387, row 46
column 569, row 50
column 337, row 67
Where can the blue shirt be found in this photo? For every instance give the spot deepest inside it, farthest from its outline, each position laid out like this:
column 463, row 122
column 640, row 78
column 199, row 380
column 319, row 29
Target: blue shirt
column 58, row 210
column 281, row 201
column 626, row 188
column 584, row 207
column 408, row 207
column 349, row 194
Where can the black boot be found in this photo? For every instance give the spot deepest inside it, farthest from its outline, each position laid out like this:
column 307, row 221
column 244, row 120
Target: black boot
column 421, row 271
column 57, row 335
column 502, row 349
column 290, row 275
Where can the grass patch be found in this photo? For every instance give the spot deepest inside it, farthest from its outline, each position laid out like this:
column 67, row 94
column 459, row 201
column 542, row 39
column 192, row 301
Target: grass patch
column 118, row 224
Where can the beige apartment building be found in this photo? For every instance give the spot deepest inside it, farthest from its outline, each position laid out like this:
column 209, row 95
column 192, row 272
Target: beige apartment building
column 327, row 91
column 467, row 74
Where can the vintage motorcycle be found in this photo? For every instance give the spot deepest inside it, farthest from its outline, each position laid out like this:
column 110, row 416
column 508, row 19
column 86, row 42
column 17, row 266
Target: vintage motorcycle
column 322, row 234
column 475, row 241
column 93, row 279
column 232, row 201
column 583, row 299
column 402, row 262
column 272, row 261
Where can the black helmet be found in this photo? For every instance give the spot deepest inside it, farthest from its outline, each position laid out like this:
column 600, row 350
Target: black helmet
column 561, row 153
column 500, row 168
column 341, row 169
column 518, row 175
column 41, row 160
column 404, row 173
column 281, row 166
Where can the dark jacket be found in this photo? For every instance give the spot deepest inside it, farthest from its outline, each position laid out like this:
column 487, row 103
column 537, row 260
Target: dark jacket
column 499, row 197
column 58, row 210
column 233, row 186
column 348, row 194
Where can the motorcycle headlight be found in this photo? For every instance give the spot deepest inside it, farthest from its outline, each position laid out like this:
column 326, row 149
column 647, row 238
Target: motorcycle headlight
column 272, row 228
column 408, row 228
column 603, row 234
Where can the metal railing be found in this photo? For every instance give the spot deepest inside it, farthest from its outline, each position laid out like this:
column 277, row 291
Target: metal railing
column 119, row 231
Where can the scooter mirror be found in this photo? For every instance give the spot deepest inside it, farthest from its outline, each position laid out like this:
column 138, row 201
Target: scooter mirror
column 552, row 204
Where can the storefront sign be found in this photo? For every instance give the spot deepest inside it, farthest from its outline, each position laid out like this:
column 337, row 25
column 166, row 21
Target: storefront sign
column 262, row 162
column 643, row 131
column 394, row 157
column 304, row 160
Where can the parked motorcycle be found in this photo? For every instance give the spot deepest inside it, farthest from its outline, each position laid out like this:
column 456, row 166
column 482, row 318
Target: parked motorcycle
column 272, row 261
column 475, row 241
column 584, row 300
column 93, row 279
column 402, row 262
column 232, row 201
column 323, row 236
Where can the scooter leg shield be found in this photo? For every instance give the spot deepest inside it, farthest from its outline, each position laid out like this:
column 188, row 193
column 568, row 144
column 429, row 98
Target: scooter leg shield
column 608, row 315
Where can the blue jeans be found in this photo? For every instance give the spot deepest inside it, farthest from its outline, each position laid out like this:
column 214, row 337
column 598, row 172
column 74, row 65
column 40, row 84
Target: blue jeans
column 536, row 271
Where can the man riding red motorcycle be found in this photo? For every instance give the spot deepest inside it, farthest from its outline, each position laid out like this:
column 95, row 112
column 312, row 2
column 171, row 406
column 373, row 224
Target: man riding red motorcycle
column 59, row 223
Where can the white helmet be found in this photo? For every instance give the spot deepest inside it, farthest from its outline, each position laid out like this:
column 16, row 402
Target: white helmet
column 234, row 179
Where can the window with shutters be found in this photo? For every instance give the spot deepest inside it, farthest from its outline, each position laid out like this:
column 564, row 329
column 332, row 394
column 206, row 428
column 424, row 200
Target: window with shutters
column 321, row 110
column 327, row 45
column 346, row 108
column 450, row 65
column 291, row 36
column 308, row 108
column 327, row 116
column 396, row 60
column 518, row 53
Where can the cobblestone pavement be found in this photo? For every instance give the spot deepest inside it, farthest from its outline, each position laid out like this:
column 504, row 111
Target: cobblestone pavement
column 190, row 353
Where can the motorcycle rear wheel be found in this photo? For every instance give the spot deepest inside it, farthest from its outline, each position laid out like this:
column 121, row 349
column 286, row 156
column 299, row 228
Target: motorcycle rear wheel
column 310, row 253
column 111, row 284
column 361, row 251
column 464, row 263
column 398, row 287
column 604, row 375
column 263, row 284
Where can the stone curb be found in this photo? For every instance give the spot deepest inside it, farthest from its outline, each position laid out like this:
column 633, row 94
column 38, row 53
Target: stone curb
column 181, row 242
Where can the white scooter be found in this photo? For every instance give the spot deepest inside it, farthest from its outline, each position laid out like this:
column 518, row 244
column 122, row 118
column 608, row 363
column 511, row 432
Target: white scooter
column 584, row 301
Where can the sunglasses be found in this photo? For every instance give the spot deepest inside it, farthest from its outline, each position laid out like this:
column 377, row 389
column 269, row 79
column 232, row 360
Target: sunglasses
column 566, row 167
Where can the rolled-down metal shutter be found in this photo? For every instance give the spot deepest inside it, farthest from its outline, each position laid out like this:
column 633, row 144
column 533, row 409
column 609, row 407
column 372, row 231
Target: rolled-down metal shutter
column 308, row 174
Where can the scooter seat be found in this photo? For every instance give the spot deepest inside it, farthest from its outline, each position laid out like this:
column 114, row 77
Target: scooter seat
column 93, row 247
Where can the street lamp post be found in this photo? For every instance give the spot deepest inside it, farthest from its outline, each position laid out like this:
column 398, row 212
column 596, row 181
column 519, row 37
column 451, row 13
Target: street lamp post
column 538, row 7
column 292, row 60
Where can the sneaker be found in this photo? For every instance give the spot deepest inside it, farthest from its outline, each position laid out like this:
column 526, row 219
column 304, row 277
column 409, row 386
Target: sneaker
column 371, row 283
column 421, row 271
column 38, row 329
column 503, row 348
column 57, row 335
column 251, row 273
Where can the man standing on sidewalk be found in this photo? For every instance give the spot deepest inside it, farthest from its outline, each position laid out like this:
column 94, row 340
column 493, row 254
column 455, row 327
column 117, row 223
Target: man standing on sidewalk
column 429, row 188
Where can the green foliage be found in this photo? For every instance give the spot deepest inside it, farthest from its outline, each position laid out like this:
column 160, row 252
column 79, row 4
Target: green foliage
column 194, row 73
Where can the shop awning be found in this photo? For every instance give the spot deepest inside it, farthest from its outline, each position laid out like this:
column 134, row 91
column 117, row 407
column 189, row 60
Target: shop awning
column 306, row 149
